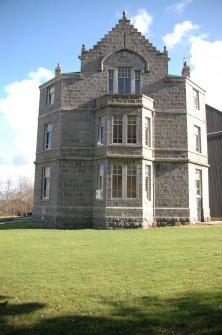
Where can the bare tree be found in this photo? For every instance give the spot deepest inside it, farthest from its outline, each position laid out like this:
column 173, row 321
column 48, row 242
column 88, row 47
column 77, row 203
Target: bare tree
column 16, row 198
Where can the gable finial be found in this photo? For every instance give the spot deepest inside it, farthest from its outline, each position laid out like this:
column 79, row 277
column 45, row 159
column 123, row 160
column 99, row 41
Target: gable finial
column 124, row 15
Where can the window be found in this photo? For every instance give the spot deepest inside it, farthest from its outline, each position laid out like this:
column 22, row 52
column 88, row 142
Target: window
column 48, row 136
column 100, row 181
column 124, row 80
column 196, row 99
column 50, row 95
column 117, row 181
column 101, row 130
column 45, row 182
column 148, row 182
column 197, row 135
column 124, row 181
column 111, row 76
column 131, row 129
column 198, row 182
column 131, row 181
column 117, row 129
column 147, row 132
column 137, row 81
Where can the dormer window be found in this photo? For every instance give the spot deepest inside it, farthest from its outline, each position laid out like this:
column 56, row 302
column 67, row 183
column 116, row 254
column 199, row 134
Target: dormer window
column 124, row 80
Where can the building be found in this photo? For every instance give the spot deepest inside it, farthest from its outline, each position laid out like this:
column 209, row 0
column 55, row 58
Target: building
column 214, row 139
column 122, row 143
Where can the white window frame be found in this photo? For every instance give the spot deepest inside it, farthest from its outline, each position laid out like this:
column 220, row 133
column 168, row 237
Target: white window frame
column 110, row 81
column 148, row 182
column 196, row 98
column 100, row 181
column 117, row 123
column 148, row 131
column 125, row 76
column 197, row 135
column 45, row 182
column 137, row 81
column 198, row 182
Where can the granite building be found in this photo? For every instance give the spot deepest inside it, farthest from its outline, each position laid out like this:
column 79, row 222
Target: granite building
column 121, row 143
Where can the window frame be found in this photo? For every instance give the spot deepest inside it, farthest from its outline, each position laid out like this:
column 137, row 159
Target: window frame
column 99, row 181
column 125, row 180
column 101, row 130
column 50, row 95
column 124, row 80
column 137, row 81
column 47, row 136
column 148, row 182
column 45, row 182
column 196, row 99
column 197, row 134
column 117, row 180
column 117, row 129
column 131, row 127
column 148, row 131
column 111, row 81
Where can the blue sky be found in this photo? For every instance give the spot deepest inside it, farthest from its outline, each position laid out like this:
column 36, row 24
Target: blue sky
column 37, row 34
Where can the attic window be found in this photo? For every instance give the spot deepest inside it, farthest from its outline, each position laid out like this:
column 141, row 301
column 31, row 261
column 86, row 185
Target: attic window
column 124, row 80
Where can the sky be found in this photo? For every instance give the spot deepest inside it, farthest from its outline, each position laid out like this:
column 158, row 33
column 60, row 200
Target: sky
column 36, row 35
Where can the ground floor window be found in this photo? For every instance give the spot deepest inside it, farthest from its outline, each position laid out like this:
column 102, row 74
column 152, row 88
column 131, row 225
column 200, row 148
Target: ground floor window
column 45, row 182
column 100, row 181
column 124, row 181
column 148, row 181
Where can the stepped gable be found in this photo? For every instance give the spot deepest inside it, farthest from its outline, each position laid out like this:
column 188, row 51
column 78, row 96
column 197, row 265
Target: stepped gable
column 124, row 36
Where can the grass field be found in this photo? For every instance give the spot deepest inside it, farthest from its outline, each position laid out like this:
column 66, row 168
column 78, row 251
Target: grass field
column 155, row 281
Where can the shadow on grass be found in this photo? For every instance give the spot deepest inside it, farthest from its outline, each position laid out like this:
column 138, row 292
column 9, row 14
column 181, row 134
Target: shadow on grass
column 193, row 314
column 26, row 224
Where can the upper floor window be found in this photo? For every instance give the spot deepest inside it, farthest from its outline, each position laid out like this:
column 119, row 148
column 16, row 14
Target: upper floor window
column 100, row 181
column 45, row 182
column 101, row 130
column 131, row 129
column 147, row 132
column 50, row 95
column 48, row 136
column 196, row 99
column 137, row 81
column 124, row 80
column 110, row 83
column 197, row 134
column 117, row 129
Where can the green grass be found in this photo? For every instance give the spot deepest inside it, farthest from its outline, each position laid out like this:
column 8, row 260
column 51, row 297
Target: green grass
column 155, row 281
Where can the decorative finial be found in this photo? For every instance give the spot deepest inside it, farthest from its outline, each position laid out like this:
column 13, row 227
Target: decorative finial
column 124, row 15
column 185, row 70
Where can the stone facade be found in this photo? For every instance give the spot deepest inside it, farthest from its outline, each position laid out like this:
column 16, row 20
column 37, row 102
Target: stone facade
column 121, row 144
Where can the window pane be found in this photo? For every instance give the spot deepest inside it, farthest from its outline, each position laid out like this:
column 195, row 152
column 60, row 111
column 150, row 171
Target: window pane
column 117, row 129
column 131, row 181
column 148, row 181
column 137, row 82
column 196, row 99
column 45, row 182
column 111, row 75
column 197, row 135
column 50, row 95
column 117, row 181
column 131, row 129
column 101, row 130
column 124, row 80
column 147, row 132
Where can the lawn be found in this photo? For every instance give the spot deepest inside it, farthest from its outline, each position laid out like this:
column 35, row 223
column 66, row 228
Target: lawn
column 155, row 281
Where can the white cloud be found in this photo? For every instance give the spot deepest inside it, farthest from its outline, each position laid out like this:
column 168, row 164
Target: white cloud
column 142, row 21
column 207, row 68
column 180, row 6
column 180, row 31
column 19, row 112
